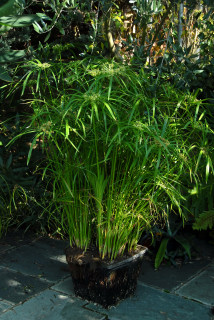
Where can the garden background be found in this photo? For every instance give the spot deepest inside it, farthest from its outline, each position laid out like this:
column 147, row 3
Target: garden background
column 112, row 85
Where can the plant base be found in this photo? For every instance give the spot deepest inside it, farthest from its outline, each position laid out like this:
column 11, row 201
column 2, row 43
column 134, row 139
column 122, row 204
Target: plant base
column 104, row 282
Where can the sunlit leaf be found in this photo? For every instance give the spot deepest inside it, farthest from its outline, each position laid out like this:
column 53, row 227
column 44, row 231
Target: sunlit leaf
column 20, row 21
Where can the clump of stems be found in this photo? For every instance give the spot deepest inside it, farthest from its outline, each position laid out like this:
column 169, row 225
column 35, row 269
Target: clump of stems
column 119, row 158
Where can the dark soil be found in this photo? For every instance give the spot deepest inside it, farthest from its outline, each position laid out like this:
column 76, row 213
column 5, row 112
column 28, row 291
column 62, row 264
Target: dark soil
column 103, row 281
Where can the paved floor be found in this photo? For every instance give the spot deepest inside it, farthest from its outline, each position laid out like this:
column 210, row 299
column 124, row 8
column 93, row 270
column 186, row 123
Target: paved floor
column 35, row 284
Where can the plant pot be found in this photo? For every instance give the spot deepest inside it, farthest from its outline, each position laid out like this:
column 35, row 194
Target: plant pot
column 102, row 281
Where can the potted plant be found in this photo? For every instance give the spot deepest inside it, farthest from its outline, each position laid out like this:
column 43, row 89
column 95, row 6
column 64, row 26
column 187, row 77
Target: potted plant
column 116, row 159
column 105, row 268
column 101, row 194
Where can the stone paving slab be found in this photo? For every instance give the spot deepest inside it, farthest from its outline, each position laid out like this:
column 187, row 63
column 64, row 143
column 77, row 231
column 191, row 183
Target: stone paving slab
column 4, row 305
column 65, row 286
column 44, row 259
column 5, row 247
column 57, row 245
column 18, row 238
column 16, row 287
column 170, row 277
column 153, row 304
column 200, row 288
column 51, row 305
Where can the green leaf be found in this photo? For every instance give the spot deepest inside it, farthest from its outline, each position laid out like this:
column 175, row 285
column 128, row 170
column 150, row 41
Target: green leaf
column 184, row 243
column 60, row 28
column 62, row 31
column 110, row 110
column 37, row 27
column 20, row 21
column 198, row 71
column 4, row 75
column 32, row 146
column 11, row 55
column 25, row 82
column 47, row 37
column 43, row 16
column 1, row 162
column 9, row 161
column 161, row 252
column 4, row 2
column 204, row 221
column 67, row 129
column 11, row 7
